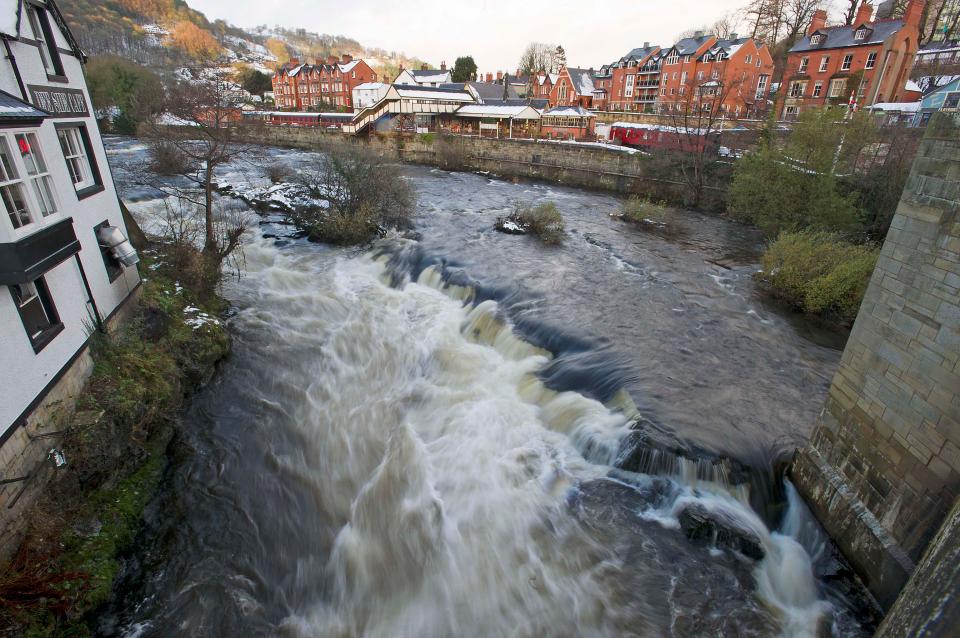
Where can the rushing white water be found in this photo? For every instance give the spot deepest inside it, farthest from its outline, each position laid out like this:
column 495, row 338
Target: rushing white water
column 447, row 464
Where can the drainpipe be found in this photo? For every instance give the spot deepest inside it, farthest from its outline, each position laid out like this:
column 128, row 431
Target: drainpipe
column 93, row 302
column 883, row 71
column 16, row 69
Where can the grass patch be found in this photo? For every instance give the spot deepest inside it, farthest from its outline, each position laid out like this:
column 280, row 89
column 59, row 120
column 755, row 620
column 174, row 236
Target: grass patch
column 640, row 210
column 819, row 273
column 90, row 513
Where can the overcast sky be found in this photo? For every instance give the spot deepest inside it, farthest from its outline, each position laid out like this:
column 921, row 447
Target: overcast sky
column 494, row 32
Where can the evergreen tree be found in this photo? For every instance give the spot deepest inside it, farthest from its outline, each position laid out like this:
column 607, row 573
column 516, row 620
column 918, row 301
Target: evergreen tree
column 559, row 59
column 464, row 69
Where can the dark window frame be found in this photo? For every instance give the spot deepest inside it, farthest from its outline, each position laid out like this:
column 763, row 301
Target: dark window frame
column 51, row 49
column 113, row 267
column 42, row 339
column 97, row 186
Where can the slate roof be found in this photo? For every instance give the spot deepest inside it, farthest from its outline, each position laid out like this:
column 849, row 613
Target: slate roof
column 582, row 80
column 537, row 103
column 728, row 47
column 840, row 37
column 568, row 111
column 430, row 75
column 637, row 54
column 492, row 91
column 14, row 109
column 689, row 46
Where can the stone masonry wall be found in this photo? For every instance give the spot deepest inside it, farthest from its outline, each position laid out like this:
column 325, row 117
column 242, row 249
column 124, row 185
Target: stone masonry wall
column 573, row 165
column 883, row 468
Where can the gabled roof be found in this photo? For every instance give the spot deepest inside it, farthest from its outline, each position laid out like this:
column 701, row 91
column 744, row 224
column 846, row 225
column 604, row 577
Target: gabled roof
column 517, row 112
column 430, row 75
column 727, row 47
column 486, row 91
column 415, row 91
column 11, row 23
column 842, row 36
column 689, row 46
column 582, row 80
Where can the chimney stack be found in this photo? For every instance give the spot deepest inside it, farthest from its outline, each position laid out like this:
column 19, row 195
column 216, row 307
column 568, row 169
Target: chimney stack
column 332, row 59
column 913, row 13
column 646, row 45
column 698, row 34
column 818, row 21
column 489, row 77
column 294, row 61
column 424, row 67
column 346, row 57
column 499, row 75
column 733, row 36
column 443, row 66
column 864, row 13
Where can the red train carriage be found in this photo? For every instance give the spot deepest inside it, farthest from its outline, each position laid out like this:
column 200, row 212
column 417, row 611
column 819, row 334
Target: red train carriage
column 658, row 136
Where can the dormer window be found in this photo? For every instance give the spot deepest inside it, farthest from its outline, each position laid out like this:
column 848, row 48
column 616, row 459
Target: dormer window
column 860, row 34
column 816, row 39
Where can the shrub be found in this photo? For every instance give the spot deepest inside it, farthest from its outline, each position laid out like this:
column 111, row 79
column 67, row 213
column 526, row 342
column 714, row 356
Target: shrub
column 364, row 196
column 543, row 220
column 279, row 173
column 819, row 273
column 641, row 210
column 167, row 159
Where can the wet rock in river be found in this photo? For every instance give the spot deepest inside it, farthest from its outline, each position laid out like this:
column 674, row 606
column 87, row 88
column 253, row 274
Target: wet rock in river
column 718, row 528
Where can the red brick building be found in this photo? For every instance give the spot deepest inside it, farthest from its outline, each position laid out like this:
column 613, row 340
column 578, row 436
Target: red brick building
column 731, row 76
column 542, row 84
column 633, row 80
column 322, row 86
column 867, row 62
column 572, row 87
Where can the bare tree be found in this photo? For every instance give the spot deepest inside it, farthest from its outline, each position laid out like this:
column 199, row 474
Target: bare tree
column 193, row 138
column 725, row 26
column 696, row 118
column 537, row 58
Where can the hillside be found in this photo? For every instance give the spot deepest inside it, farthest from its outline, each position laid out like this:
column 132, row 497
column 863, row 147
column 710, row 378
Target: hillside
column 167, row 34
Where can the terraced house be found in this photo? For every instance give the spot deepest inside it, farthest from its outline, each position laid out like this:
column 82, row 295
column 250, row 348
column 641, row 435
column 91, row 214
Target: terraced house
column 860, row 64
column 634, row 79
column 326, row 85
column 66, row 267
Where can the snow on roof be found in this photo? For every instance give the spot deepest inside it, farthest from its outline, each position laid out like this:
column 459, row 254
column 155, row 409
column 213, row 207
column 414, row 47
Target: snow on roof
column 903, row 107
column 371, row 86
column 12, row 107
column 10, row 19
column 844, row 36
column 582, row 80
column 344, row 68
column 499, row 110
column 912, row 86
column 660, row 127
column 409, row 91
column 568, row 111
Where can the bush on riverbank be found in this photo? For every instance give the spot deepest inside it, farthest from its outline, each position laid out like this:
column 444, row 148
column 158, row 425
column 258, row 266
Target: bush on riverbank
column 364, row 195
column 115, row 447
column 819, row 273
column 543, row 220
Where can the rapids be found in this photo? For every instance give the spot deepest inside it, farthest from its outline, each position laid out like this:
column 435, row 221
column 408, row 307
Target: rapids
column 428, row 438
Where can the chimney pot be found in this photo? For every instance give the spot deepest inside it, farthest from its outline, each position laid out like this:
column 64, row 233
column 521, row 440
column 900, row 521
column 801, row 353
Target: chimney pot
column 443, row 66
column 733, row 36
column 698, row 34
column 499, row 75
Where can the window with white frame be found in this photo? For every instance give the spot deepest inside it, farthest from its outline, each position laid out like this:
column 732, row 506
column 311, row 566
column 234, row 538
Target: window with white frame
column 37, row 172
column 673, row 58
column 871, row 61
column 762, row 86
column 847, row 62
column 804, row 62
column 748, row 59
column 797, row 88
column 78, row 154
column 824, row 62
column 860, row 34
column 837, row 87
column 628, row 89
column 815, row 39
column 43, row 33
column 12, row 189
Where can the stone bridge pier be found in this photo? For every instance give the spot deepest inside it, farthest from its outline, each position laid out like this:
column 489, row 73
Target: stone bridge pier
column 882, row 472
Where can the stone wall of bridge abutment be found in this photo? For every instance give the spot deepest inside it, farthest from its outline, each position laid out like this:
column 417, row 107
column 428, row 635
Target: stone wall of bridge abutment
column 578, row 165
column 883, row 467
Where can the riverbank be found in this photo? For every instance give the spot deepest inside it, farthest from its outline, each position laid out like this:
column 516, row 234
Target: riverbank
column 115, row 455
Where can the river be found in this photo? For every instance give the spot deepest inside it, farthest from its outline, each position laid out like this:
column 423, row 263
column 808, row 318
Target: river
column 421, row 438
